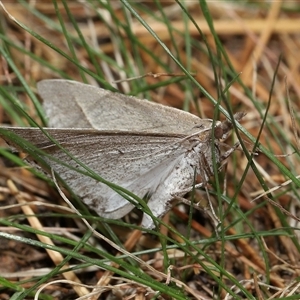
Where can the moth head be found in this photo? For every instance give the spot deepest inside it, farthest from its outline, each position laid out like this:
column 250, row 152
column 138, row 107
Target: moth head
column 223, row 129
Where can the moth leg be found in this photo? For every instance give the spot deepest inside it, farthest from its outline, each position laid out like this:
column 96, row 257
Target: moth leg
column 160, row 206
column 208, row 210
column 228, row 152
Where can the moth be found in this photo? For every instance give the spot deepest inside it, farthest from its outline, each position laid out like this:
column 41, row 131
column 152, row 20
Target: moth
column 149, row 149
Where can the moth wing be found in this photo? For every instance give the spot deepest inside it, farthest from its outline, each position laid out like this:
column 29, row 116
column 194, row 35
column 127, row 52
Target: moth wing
column 71, row 104
column 137, row 162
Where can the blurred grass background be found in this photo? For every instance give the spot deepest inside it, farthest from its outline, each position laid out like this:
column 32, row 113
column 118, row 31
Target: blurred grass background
column 241, row 55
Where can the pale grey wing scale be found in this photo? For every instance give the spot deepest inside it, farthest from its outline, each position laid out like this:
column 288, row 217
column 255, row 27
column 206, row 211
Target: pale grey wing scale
column 140, row 162
column 93, row 107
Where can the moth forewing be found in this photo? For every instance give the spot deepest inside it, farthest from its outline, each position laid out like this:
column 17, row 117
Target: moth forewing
column 39, row 147
column 71, row 104
column 162, row 165
column 46, row 153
